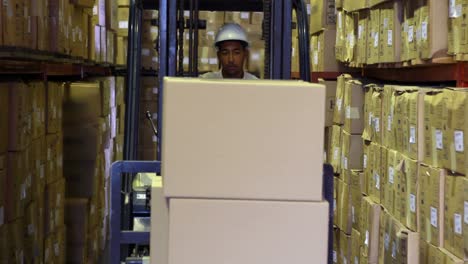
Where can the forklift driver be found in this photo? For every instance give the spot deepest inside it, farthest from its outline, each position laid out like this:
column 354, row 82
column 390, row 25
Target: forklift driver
column 232, row 50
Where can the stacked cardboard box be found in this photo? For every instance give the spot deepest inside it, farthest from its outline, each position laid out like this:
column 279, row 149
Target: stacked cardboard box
column 93, row 139
column 30, row 171
column 213, row 206
column 413, row 176
column 346, row 154
column 392, row 31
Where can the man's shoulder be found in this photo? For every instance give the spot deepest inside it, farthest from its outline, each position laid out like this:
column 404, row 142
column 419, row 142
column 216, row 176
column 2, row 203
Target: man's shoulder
column 249, row 76
column 211, row 75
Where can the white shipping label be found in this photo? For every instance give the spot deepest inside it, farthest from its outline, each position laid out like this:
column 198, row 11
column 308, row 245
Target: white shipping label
column 377, row 181
column 376, row 39
column 377, row 124
column 345, row 261
column 123, row 24
column 466, row 213
column 339, row 103
column 394, row 250
column 308, row 9
column 23, row 191
column 439, row 139
column 334, row 205
column 366, row 241
column 418, row 34
column 348, row 112
column 360, row 30
column 385, row 22
column 434, row 217
column 371, row 117
column 315, row 57
column 459, row 141
column 30, row 229
column 56, row 249
column 141, row 196
column 351, row 40
column 335, row 257
column 353, row 215
column 213, row 61
column 318, row 45
column 391, row 175
column 386, row 241
column 254, row 57
column 390, row 37
column 185, row 61
column 155, row 139
column 412, row 137
column 345, row 163
column 356, row 260
column 424, row 30
column 364, row 161
column 186, row 13
column 389, row 123
column 412, row 199
column 245, row 15
column 336, row 153
column 155, row 90
column 340, row 20
column 410, row 34
column 457, row 219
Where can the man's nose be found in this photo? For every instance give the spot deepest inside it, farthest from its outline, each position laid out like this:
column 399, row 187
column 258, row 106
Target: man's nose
column 231, row 57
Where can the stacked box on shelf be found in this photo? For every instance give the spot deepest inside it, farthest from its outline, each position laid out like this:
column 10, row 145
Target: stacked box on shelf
column 149, row 56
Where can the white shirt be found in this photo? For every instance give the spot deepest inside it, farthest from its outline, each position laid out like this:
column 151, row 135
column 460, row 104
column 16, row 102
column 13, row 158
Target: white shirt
column 219, row 75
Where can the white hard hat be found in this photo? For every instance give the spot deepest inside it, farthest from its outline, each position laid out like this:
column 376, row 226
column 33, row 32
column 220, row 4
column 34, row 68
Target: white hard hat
column 231, row 31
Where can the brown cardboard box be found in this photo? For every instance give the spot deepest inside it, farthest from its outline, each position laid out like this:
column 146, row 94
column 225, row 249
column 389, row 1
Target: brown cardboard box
column 20, row 117
column 353, row 107
column 343, row 203
column 83, row 3
column 322, row 15
column 388, row 113
column 111, row 15
column 377, row 178
column 368, row 111
column 391, row 17
column 336, row 245
column 255, row 116
column 456, row 197
column 407, row 196
column 16, row 189
column 367, row 165
column 431, row 204
column 436, row 104
column 370, row 234
column 408, row 29
column 351, row 155
column 339, row 112
column 373, row 36
column 457, row 160
column 304, row 226
column 55, row 206
column 38, row 90
column 335, row 149
column 355, row 246
column 376, row 115
column 362, row 36
column 433, row 27
column 450, row 258
column 344, row 248
column 355, row 5
column 331, row 87
column 356, row 185
column 54, row 107
column 390, row 187
column 434, row 254
column 325, row 59
column 415, row 98
column 340, row 43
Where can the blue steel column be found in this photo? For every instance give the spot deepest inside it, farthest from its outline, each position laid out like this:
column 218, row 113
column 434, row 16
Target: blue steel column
column 287, row 35
column 276, row 28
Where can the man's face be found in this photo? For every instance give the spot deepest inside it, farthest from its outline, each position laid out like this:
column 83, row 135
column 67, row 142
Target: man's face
column 232, row 55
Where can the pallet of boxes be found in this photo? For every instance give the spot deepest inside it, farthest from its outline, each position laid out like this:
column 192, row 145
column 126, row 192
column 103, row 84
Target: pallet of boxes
column 251, row 197
column 405, row 203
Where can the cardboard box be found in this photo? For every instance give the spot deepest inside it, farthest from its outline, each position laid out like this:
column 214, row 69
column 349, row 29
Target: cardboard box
column 339, row 112
column 388, row 114
column 355, row 246
column 370, row 215
column 415, row 99
column 362, row 36
column 20, row 116
column 368, row 111
column 367, row 165
column 55, row 206
column 456, row 195
column 351, row 155
column 390, row 187
column 15, row 187
column 160, row 229
column 436, row 147
column 224, row 150
column 344, row 248
column 433, row 27
column 407, row 196
column 398, row 244
column 323, row 55
column 357, row 185
column 377, row 178
column 457, row 160
column 373, row 38
column 340, row 40
column 335, row 149
column 375, row 119
column 353, row 107
column 343, row 203
column 431, row 204
column 450, row 258
column 391, row 17
column 303, row 236
column 322, row 15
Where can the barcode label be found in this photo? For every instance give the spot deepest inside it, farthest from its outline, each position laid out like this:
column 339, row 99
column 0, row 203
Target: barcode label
column 391, row 174
column 412, row 139
column 434, row 217
column 439, row 139
column 457, row 219
column 459, row 141
column 412, row 203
